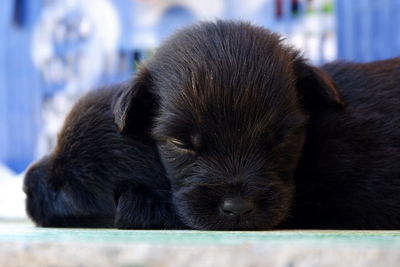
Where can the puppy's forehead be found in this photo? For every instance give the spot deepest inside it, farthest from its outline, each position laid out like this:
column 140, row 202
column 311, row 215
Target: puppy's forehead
column 225, row 70
column 223, row 54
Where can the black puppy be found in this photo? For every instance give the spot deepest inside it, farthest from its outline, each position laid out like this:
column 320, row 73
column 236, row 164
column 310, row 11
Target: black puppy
column 253, row 137
column 96, row 177
column 233, row 109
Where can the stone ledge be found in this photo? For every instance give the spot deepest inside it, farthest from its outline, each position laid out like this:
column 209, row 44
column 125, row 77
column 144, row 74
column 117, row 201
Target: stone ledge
column 22, row 244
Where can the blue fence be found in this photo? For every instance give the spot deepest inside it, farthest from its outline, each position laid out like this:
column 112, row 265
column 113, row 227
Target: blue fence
column 366, row 30
column 20, row 98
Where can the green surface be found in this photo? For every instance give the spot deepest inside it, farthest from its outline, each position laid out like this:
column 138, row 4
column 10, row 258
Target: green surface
column 25, row 231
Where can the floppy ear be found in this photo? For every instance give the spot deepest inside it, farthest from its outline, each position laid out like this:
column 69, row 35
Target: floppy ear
column 316, row 88
column 135, row 106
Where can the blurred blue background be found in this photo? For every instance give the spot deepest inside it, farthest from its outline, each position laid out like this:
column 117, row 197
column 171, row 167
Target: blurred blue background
column 52, row 51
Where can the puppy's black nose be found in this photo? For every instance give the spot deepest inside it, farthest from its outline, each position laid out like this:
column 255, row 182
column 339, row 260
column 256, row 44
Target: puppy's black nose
column 237, row 206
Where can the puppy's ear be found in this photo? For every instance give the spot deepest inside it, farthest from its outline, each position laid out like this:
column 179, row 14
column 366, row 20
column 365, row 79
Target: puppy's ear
column 135, row 106
column 316, row 88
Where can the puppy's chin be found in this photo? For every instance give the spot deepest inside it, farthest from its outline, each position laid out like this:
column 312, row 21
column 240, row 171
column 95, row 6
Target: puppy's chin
column 199, row 207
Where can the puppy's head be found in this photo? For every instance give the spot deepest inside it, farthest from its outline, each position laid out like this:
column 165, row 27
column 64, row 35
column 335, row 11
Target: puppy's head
column 74, row 185
column 232, row 108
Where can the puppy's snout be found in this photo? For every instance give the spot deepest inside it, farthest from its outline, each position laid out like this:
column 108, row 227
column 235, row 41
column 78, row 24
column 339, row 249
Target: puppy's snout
column 34, row 176
column 28, row 181
column 31, row 179
column 237, row 206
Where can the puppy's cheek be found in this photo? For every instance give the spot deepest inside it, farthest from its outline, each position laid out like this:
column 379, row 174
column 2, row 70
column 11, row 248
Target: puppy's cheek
column 197, row 207
column 274, row 208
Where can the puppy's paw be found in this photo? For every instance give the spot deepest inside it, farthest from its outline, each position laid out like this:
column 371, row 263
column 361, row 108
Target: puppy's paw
column 139, row 208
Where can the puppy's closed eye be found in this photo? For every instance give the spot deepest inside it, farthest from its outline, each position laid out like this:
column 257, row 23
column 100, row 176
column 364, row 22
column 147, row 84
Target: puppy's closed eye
column 191, row 145
column 179, row 144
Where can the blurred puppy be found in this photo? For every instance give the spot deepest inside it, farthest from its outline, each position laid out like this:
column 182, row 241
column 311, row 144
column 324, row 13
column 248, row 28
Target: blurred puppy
column 96, row 177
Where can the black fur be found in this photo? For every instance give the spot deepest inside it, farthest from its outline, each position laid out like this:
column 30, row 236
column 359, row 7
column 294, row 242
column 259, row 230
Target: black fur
column 97, row 177
column 349, row 177
column 234, row 114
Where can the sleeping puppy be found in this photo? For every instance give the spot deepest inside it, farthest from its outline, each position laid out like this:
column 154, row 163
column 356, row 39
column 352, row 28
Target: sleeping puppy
column 233, row 107
column 95, row 177
column 252, row 137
